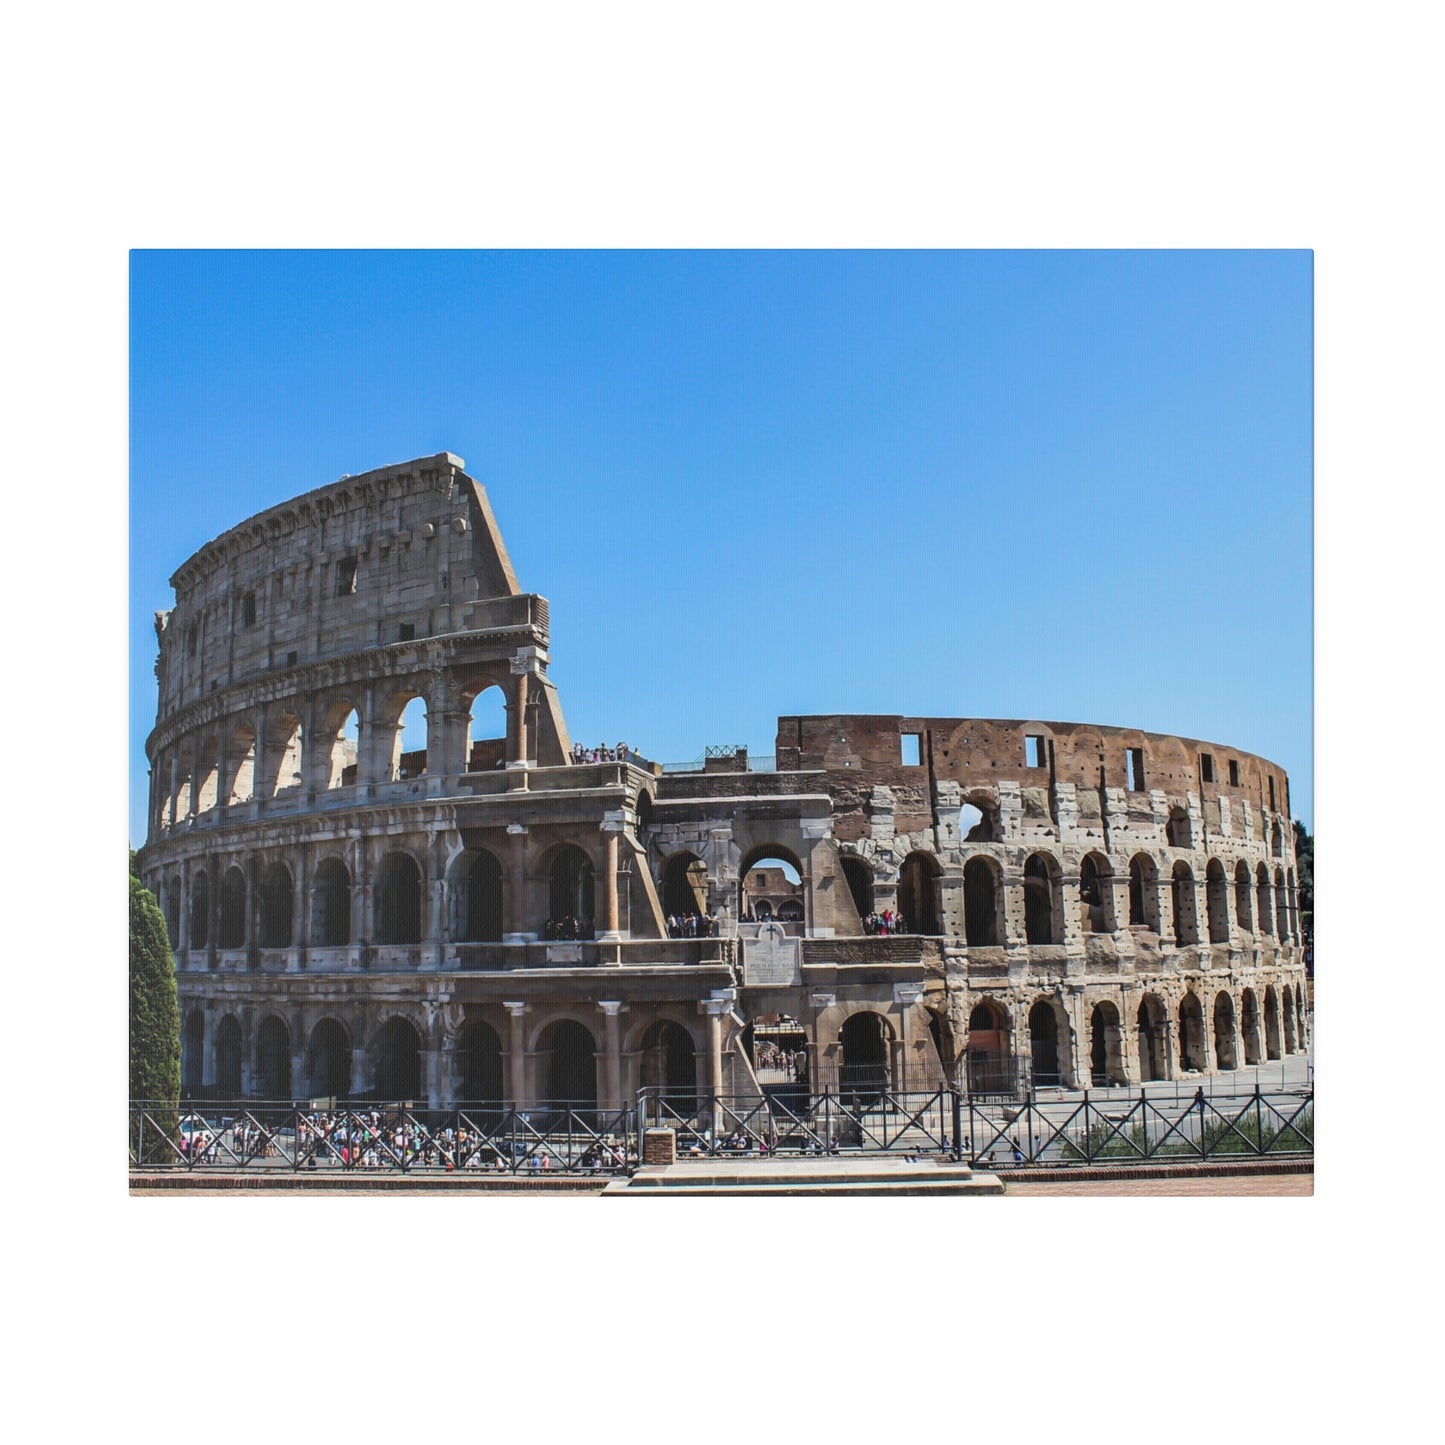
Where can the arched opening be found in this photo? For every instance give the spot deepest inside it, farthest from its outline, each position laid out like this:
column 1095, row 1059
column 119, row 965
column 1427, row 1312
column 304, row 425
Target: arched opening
column 990, row 1050
column 173, row 912
column 479, row 1066
column 1216, row 892
column 571, row 895
column 777, row 1047
column 208, row 778
column 790, row 911
column 242, row 786
column 1225, row 1053
column 1153, row 1050
column 1191, row 1034
column 228, row 1057
column 1276, row 840
column 1249, row 1028
column 398, row 900
column 1299, row 1012
column 568, row 1065
column 669, row 1063
column 1044, row 1058
column 1281, row 906
column 978, row 822
column 200, row 910
column 277, row 900
column 644, row 810
column 193, row 1053
column 331, row 925
column 409, row 741
column 859, row 877
column 481, row 912
column 343, row 733
column 1143, row 893
column 231, row 925
column 1291, row 1042
column 863, row 1070
column 1096, row 894
column 486, row 746
column 398, row 1061
column 1293, row 893
column 1186, row 920
column 1106, row 1055
column 1243, row 905
column 1271, row 1023
column 283, row 751
column 980, row 903
column 273, row 1060
column 771, row 876
column 1262, row 900
column 918, row 895
column 1039, row 876
column 684, row 886
column 1178, row 830
column 328, row 1061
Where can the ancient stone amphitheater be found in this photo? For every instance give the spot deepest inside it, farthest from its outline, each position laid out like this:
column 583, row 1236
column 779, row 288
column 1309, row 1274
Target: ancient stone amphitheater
column 464, row 907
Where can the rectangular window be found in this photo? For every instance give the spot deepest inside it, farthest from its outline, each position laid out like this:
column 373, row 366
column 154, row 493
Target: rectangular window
column 1271, row 795
column 1206, row 767
column 407, row 631
column 191, row 640
column 1234, row 772
column 248, row 610
column 909, row 742
column 292, row 658
column 1034, row 754
column 1136, row 770
column 346, row 577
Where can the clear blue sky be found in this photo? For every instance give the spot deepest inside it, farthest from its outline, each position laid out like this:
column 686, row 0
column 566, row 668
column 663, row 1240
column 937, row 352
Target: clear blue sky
column 1056, row 485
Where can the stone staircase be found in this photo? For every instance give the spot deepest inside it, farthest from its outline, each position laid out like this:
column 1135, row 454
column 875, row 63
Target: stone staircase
column 831, row 1175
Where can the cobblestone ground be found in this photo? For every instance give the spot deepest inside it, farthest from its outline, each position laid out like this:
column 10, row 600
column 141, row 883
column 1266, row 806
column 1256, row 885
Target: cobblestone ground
column 1254, row 1186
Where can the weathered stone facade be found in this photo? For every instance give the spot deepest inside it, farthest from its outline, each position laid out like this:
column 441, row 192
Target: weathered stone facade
column 484, row 919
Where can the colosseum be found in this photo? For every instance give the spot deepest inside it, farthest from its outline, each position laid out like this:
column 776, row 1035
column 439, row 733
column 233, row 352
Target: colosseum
column 495, row 916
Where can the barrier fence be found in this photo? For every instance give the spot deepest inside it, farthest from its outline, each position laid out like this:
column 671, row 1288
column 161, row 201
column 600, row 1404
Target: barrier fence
column 582, row 1139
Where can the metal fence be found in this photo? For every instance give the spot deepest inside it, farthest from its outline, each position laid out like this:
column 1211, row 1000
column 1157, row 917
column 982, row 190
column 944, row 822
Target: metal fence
column 579, row 1139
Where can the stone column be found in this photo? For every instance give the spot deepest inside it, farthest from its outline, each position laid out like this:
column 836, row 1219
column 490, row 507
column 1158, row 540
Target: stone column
column 612, row 825
column 435, row 950
column 183, row 923
column 213, row 908
column 612, row 1031
column 358, row 1070
column 715, row 1008
column 517, row 756
column 175, row 788
column 905, row 996
column 517, row 1052
column 301, row 919
column 263, row 772
column 514, row 893
column 208, row 1050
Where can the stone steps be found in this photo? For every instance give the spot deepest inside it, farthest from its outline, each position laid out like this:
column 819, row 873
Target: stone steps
column 829, row 1176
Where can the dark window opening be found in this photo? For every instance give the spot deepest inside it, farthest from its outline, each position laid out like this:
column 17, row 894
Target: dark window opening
column 346, row 577
column 1233, row 772
column 248, row 610
column 1206, row 767
column 1135, row 758
column 407, row 631
column 191, row 640
column 292, row 658
column 1271, row 795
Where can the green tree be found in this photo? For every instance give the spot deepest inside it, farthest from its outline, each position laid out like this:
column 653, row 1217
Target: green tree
column 155, row 1025
column 1304, row 851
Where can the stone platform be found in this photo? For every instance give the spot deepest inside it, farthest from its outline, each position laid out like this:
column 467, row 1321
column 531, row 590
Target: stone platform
column 830, row 1176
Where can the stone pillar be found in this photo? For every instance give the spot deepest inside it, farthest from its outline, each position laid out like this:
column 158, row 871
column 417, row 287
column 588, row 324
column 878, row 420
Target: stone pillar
column 612, row 825
column 358, row 1071
column 263, row 774
column 183, row 923
column 175, row 788
column 517, row 740
column 514, row 893
column 434, row 952
column 905, row 997
column 208, row 1050
column 612, row 1046
column 517, row 1053
column 213, row 908
column 361, row 897
column 715, row 1008
column 301, row 918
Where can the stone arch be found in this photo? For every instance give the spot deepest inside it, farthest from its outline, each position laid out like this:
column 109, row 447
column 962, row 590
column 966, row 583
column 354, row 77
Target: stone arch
column 990, row 1048
column 1143, row 893
column 228, row 1057
column 193, row 1053
column 1293, row 893
column 1096, row 894
column 1186, row 919
column 978, row 819
column 200, row 909
column 1106, row 1045
column 272, row 1078
column 918, row 893
column 1151, row 1023
column 1226, row 1051
column 399, row 883
column 241, row 786
column 208, row 773
column 668, row 1062
column 1291, row 1037
column 571, row 893
column 402, row 734
column 1299, row 1012
column 1191, row 1033
column 172, row 910
column 1048, row 1043
column 1271, row 1023
column 643, row 809
column 486, row 738
column 1179, row 830
column 767, row 855
column 1041, row 889
column 331, row 904
column 328, row 1061
column 340, row 742
column 478, row 1055
column 1276, row 840
column 982, row 896
column 481, row 900
column 231, row 920
column 567, row 1064
column 1262, row 900
column 283, row 754
column 1281, row 906
column 396, row 1060
column 1249, row 1026
column 277, row 907
column 1243, row 896
column 1216, row 898
column 684, row 885
column 858, row 875
column 863, row 1068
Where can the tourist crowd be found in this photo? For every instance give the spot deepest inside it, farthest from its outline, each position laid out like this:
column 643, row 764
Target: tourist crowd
column 620, row 754
column 882, row 924
column 692, row 925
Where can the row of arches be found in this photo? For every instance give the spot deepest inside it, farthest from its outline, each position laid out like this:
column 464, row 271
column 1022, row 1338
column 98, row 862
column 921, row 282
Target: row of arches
column 276, row 752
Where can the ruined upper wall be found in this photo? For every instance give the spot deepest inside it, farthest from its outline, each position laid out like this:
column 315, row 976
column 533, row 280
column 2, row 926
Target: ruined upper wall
column 410, row 550
column 861, row 751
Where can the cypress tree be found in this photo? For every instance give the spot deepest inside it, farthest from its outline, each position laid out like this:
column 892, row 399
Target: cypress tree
column 155, row 1024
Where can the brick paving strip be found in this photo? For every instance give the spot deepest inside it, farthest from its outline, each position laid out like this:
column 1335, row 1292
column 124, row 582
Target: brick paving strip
column 1250, row 1186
